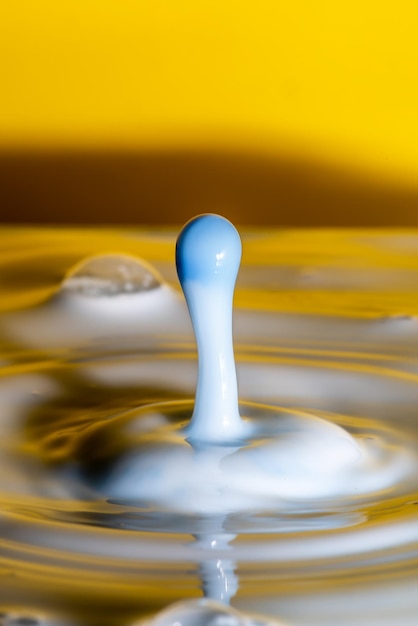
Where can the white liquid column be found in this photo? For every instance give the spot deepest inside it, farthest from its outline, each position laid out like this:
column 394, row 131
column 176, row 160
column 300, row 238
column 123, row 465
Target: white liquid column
column 208, row 255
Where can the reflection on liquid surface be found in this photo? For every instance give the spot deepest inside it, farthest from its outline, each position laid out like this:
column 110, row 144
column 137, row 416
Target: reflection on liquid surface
column 325, row 328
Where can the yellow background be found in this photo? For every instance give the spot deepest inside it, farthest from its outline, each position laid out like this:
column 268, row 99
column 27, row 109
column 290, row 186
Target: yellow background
column 336, row 81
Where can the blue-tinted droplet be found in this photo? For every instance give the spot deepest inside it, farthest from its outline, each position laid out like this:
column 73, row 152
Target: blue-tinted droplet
column 208, row 255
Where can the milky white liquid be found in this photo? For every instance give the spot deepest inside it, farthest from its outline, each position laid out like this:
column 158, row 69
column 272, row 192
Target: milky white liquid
column 219, row 462
column 109, row 469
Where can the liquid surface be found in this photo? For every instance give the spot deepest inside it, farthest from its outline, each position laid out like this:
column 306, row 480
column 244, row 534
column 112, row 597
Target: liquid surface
column 100, row 364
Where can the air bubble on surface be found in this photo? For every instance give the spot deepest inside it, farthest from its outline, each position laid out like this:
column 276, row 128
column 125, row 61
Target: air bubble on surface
column 108, row 299
column 111, row 275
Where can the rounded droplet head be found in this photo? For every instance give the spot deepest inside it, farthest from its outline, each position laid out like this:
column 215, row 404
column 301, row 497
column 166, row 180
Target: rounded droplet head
column 208, row 250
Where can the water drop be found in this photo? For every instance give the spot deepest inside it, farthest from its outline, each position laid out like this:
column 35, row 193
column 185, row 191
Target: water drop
column 208, row 255
column 220, row 462
column 309, row 510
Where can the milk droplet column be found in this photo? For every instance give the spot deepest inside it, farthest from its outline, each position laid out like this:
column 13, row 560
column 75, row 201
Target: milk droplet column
column 208, row 255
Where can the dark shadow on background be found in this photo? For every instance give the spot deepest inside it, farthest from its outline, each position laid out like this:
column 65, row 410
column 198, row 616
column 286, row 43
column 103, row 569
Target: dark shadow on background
column 168, row 188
